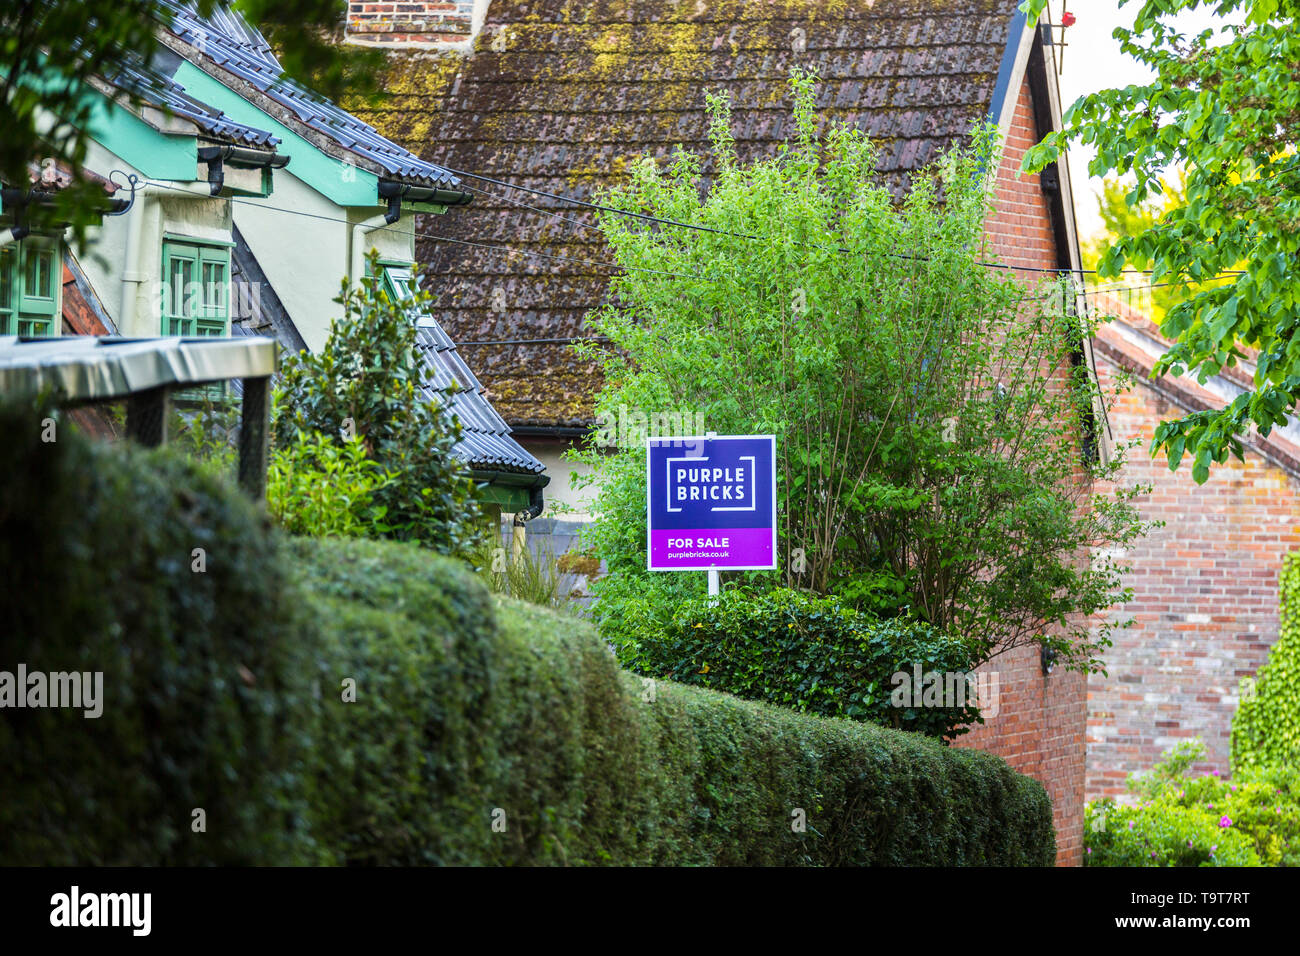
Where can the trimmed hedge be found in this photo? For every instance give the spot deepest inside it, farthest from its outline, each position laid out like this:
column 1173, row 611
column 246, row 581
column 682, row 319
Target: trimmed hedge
column 1266, row 727
column 225, row 690
column 463, row 712
column 811, row 653
column 199, row 709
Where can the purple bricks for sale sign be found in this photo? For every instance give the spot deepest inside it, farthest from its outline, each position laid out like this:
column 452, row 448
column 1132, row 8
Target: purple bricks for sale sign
column 712, row 503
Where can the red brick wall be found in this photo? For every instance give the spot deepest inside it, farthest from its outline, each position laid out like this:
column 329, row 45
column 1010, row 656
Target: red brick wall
column 1205, row 600
column 1020, row 232
column 410, row 21
column 1040, row 724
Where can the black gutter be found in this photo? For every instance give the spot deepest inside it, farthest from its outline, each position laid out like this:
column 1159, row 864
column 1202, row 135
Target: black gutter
column 395, row 192
column 241, row 157
column 18, row 200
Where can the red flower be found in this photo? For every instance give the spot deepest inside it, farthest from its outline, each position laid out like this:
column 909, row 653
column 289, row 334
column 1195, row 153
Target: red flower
column 1067, row 19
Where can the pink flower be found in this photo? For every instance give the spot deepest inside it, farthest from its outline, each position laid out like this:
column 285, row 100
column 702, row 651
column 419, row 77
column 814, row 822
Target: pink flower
column 1225, row 822
column 1130, row 824
column 1067, row 19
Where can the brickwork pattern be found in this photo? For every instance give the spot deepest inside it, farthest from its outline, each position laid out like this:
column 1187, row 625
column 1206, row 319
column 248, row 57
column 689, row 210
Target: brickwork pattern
column 1205, row 599
column 413, row 22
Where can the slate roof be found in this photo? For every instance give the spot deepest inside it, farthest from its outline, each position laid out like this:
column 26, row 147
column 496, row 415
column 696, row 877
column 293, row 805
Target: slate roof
column 577, row 89
column 154, row 84
column 236, row 46
column 486, row 443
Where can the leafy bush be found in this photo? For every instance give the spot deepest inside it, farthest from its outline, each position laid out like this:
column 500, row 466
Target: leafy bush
column 368, row 381
column 466, row 708
column 929, row 412
column 317, row 486
column 202, row 697
column 809, row 653
column 1161, row 834
column 1266, row 727
column 1170, row 773
column 1260, row 805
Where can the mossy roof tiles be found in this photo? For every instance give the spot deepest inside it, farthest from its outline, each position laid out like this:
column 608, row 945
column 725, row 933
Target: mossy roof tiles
column 559, row 95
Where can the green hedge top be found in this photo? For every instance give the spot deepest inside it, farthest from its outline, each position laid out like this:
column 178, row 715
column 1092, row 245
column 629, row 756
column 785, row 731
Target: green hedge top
column 162, row 578
column 464, row 713
column 813, row 654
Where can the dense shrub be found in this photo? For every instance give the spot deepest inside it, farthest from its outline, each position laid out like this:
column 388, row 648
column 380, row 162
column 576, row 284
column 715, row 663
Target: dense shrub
column 925, row 408
column 1258, row 808
column 200, row 709
column 809, row 653
column 318, row 487
column 407, row 716
column 1266, row 727
column 461, row 712
column 1262, row 804
column 370, row 380
column 1161, row 834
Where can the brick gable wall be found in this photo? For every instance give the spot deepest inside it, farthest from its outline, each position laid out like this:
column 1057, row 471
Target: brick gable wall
column 1205, row 599
column 1040, row 725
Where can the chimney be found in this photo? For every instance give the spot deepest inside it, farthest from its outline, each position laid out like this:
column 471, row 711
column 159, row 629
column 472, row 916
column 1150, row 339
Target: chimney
column 416, row 24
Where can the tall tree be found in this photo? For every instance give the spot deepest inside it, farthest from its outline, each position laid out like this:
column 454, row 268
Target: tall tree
column 929, row 411
column 1224, row 106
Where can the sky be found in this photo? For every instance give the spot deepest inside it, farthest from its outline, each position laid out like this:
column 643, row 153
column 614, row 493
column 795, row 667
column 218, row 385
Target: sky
column 1093, row 61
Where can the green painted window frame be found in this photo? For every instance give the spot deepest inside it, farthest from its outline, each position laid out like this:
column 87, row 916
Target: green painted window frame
column 198, row 306
column 31, row 288
column 398, row 280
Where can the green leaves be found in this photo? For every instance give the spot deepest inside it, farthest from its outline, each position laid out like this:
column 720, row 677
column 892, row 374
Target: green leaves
column 320, row 487
column 813, row 654
column 1266, row 727
column 1224, row 108
column 926, row 407
column 359, row 394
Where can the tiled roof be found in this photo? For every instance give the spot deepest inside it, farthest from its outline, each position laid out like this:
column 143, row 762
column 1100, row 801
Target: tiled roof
column 559, row 96
column 234, row 45
column 485, row 442
column 154, row 84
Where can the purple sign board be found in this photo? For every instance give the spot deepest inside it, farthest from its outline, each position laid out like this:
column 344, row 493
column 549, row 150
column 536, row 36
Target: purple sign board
column 711, row 503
